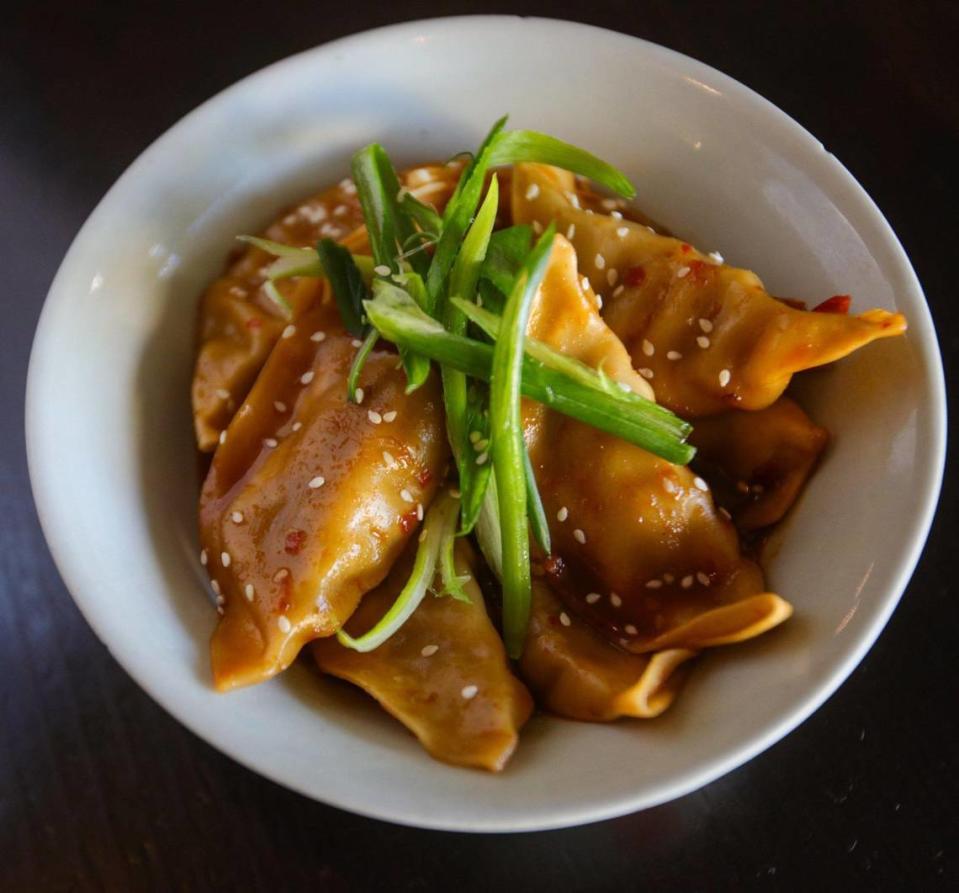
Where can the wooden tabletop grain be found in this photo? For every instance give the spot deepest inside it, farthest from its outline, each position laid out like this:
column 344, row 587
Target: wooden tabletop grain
column 101, row 790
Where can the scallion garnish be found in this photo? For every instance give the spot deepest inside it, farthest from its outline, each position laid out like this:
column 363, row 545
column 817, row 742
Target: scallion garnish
column 537, row 514
column 349, row 289
column 359, row 361
column 451, row 582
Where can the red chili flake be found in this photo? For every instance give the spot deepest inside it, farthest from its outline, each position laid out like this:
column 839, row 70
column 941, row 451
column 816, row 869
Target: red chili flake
column 408, row 521
column 294, row 541
column 835, row 304
column 254, row 322
column 634, row 276
column 424, row 476
column 685, row 248
column 554, row 565
column 699, row 269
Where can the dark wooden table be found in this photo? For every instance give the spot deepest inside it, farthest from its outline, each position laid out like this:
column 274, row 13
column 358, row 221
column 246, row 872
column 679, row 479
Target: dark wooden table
column 100, row 789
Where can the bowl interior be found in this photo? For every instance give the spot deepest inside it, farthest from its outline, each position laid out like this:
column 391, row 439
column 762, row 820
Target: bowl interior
column 114, row 469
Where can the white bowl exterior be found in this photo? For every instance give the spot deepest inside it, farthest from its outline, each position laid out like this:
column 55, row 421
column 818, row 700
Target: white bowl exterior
column 109, row 437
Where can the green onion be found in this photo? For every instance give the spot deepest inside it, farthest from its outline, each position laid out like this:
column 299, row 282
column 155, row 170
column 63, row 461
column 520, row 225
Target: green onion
column 359, row 361
column 508, row 448
column 508, row 248
column 425, row 215
column 537, row 514
column 349, row 289
column 440, row 521
column 451, row 582
column 274, row 293
column 621, row 413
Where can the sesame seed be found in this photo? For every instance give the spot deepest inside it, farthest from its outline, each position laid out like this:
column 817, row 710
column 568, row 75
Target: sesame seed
column 422, row 535
column 270, row 442
column 381, row 270
column 223, row 436
column 622, row 232
column 390, row 460
column 280, row 575
column 608, row 204
column 225, row 559
column 454, row 493
column 648, row 348
column 646, row 372
column 317, row 336
column 532, row 192
column 716, row 256
column 579, row 536
column 306, row 377
column 703, row 578
column 288, row 332
column 724, row 378
column 249, row 592
column 296, row 426
column 429, row 650
column 571, row 231
column 631, row 630
column 317, row 482
column 600, row 262
column 215, row 586
column 389, row 416
column 469, row 691
column 359, row 393
column 700, row 484
column 537, row 227
column 705, row 325
column 585, row 283
column 611, row 276
column 219, row 610
column 203, row 557
column 573, row 199
column 599, row 302
column 419, row 511
column 284, row 624
column 237, row 517
column 374, row 417
column 686, row 581
column 475, row 435
column 616, row 215
column 654, row 584
column 673, row 355
column 279, row 406
column 481, row 445
column 725, row 513
column 481, row 458
column 615, row 600
column 681, row 272
column 356, row 342
column 223, row 393
column 562, row 514
column 221, row 599
column 702, row 341
column 564, row 619
column 405, row 495
column 592, row 598
column 618, row 290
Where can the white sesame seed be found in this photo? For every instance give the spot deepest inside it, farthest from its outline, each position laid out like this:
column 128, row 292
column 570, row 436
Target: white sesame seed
column 616, row 215
column 648, row 348
column 405, row 495
column 225, row 559
column 339, row 210
column 374, row 417
column 646, row 372
column 306, row 377
column 317, row 482
column 600, row 262
column 223, row 393
column 215, row 587
column 455, row 493
column 390, row 460
column 599, row 302
column 283, row 622
column 611, row 276
column 221, row 599
column 280, row 575
column 681, row 272
column 481, row 458
column 703, row 578
column 289, row 332
column 203, row 557
column 389, row 416
column 631, row 630
column 419, row 511
column 700, row 484
column 223, row 436
column 579, row 536
column 673, row 355
column 318, row 337
column 356, row 342
column 622, row 232
column 562, row 514
column 651, row 230
column 592, row 598
column 475, row 435
column 381, row 270
column 359, row 393
column 429, row 650
column 537, row 227
column 481, row 445
column 270, row 442
column 654, row 584
column 724, row 377
column 608, row 204
column 615, row 600
column 573, row 199
column 705, row 325
column 296, row 426
column 249, row 592
column 532, row 192
column 564, row 619
column 702, row 341
column 571, row 231
column 618, row 290
column 585, row 283
column 237, row 517
column 716, row 256
column 686, row 581
column 279, row 406
column 469, row 691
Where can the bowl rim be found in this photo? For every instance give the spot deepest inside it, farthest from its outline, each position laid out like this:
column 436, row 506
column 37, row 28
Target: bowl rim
column 53, row 523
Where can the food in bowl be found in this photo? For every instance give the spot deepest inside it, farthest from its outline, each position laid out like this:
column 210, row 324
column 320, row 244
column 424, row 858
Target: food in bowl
column 485, row 437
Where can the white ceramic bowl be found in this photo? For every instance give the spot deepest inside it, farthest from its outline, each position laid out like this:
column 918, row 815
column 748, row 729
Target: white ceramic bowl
column 112, row 460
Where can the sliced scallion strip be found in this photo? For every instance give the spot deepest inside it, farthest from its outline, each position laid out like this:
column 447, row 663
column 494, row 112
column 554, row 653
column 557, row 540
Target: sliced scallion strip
column 537, row 514
column 451, row 582
column 349, row 289
column 359, row 361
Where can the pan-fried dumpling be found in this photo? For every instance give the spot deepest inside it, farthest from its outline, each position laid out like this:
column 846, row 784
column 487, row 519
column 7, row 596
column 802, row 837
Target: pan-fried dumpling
column 310, row 499
column 639, row 548
column 707, row 335
column 444, row 674
column 239, row 323
column 758, row 462
column 576, row 673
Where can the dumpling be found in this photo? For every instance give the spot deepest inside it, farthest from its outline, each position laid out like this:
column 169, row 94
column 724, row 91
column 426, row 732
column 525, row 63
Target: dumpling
column 640, row 550
column 576, row 673
column 758, row 462
column 310, row 499
column 708, row 335
column 239, row 323
column 444, row 674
